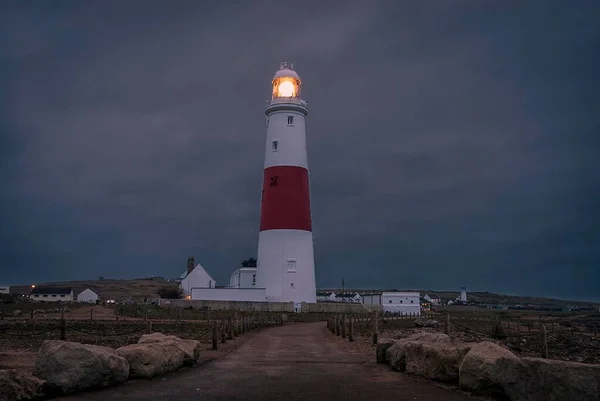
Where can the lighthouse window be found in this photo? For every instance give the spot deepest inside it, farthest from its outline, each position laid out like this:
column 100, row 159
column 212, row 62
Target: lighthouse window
column 291, row 284
column 273, row 181
column 254, row 279
column 290, row 120
column 291, row 266
column 275, row 146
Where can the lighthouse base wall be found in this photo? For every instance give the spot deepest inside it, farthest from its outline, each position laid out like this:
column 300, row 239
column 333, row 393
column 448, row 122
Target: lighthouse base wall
column 229, row 294
column 286, row 266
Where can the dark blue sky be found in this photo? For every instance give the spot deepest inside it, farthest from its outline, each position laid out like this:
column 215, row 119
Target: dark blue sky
column 450, row 142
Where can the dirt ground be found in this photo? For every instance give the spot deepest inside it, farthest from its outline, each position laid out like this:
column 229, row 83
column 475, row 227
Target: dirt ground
column 300, row 361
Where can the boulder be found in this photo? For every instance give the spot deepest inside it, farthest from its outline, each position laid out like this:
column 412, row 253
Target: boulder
column 191, row 348
column 155, row 338
column 536, row 379
column 16, row 385
column 396, row 354
column 476, row 372
column 382, row 346
column 437, row 360
column 152, row 359
column 68, row 366
column 422, row 322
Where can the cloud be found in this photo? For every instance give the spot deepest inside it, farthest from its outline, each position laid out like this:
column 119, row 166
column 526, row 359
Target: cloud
column 448, row 145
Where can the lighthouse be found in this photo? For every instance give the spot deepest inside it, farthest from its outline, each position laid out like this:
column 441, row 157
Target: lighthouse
column 286, row 267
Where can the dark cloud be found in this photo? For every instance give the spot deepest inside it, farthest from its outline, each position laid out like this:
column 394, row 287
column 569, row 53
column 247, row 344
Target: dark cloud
column 449, row 144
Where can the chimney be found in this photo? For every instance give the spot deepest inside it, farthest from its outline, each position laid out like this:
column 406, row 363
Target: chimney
column 191, row 264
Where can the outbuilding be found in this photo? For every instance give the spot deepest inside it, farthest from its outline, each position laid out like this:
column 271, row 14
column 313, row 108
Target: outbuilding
column 48, row 294
column 87, row 296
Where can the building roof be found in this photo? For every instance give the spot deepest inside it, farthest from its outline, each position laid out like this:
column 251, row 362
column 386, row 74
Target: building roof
column 346, row 295
column 51, row 290
column 185, row 273
column 87, row 289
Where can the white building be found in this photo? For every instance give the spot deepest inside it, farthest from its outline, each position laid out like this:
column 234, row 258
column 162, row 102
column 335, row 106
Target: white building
column 405, row 303
column 372, row 298
column 4, row 290
column 87, row 296
column 46, row 294
column 433, row 299
column 348, row 297
column 195, row 277
column 244, row 277
column 286, row 267
column 325, row 296
column 463, row 295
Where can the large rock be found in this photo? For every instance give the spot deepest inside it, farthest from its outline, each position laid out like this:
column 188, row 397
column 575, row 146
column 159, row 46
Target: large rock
column 437, row 360
column 396, row 353
column 476, row 372
column 191, row 348
column 16, row 385
column 382, row 346
column 152, row 359
column 423, row 322
column 536, row 379
column 68, row 366
column 155, row 338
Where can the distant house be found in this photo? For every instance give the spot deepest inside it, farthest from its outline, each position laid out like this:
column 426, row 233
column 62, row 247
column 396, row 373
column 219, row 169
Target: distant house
column 433, row 299
column 324, row 296
column 4, row 290
column 48, row 294
column 87, row 296
column 348, row 297
column 195, row 277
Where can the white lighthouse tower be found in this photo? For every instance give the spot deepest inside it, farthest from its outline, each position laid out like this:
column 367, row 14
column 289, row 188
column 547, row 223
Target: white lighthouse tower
column 286, row 267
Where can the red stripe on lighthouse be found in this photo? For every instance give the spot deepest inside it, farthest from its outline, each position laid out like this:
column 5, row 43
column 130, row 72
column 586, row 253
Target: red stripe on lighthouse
column 285, row 199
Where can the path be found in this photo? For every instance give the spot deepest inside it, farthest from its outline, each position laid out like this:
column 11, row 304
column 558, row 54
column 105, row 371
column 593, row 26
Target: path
column 292, row 362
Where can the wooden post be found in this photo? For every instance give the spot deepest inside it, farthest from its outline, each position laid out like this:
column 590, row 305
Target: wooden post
column 32, row 314
column 351, row 330
column 230, row 336
column 1, row 314
column 215, row 344
column 543, row 342
column 447, row 324
column 338, row 328
column 518, row 325
column 63, row 325
column 343, row 326
column 375, row 328
column 223, row 329
column 149, row 327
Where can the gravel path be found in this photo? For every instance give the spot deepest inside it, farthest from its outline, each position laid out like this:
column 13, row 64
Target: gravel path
column 300, row 361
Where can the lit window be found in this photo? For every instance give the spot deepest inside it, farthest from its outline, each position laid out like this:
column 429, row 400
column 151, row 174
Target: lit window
column 275, row 146
column 290, row 120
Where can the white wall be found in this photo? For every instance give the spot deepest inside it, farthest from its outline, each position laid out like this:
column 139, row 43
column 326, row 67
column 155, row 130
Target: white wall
column 371, row 299
column 198, row 278
column 52, row 297
column 401, row 302
column 291, row 140
column 87, row 295
column 276, row 248
column 229, row 294
column 4, row 290
column 243, row 278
